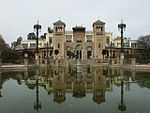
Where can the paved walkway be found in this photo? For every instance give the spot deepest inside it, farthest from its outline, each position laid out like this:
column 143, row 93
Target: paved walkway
column 21, row 66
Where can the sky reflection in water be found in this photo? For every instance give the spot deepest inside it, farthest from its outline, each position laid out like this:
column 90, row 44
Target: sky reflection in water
column 63, row 90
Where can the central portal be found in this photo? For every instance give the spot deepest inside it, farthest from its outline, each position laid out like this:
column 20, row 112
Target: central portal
column 78, row 51
column 79, row 54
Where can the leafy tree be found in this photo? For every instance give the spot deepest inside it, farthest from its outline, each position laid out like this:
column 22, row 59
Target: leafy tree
column 15, row 43
column 31, row 36
column 43, row 36
column 8, row 54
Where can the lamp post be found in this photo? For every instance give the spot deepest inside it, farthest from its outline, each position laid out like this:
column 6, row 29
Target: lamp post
column 37, row 29
column 122, row 28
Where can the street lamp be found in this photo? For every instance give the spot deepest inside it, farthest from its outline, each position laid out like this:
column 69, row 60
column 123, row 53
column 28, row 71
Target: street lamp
column 37, row 29
column 122, row 28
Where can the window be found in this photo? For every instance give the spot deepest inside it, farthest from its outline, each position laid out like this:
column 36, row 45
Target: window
column 79, row 39
column 40, row 44
column 99, row 29
column 107, row 40
column 58, row 29
column 134, row 45
column 89, row 38
column 58, row 45
column 32, row 45
column 69, row 38
column 50, row 40
column 68, row 54
column 99, row 45
column 25, row 45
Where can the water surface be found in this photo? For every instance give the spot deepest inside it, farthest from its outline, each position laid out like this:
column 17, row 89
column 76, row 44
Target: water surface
column 68, row 90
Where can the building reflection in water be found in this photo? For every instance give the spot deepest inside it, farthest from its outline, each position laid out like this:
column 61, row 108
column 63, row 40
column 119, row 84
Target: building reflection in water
column 57, row 81
column 0, row 84
column 58, row 85
column 99, row 87
column 122, row 106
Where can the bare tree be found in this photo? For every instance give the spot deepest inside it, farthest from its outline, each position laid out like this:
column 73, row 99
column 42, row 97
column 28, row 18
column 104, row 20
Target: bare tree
column 145, row 41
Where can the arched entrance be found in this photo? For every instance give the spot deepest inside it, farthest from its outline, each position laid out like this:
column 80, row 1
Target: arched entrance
column 78, row 51
column 89, row 52
column 69, row 52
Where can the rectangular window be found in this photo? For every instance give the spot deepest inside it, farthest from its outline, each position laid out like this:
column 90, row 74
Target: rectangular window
column 89, row 38
column 68, row 38
column 107, row 40
column 50, row 39
column 25, row 45
column 32, row 45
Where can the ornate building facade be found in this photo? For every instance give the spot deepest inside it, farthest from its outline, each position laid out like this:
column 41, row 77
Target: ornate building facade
column 79, row 42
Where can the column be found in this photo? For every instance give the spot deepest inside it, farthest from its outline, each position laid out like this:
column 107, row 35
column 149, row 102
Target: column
column 37, row 59
column 26, row 62
column 133, row 62
column 121, row 59
column 0, row 65
column 112, row 61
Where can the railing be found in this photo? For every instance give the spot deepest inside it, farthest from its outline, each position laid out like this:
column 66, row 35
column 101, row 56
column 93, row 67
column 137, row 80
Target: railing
column 127, row 61
column 12, row 61
column 143, row 61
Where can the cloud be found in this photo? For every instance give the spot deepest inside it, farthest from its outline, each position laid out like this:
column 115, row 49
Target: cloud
column 19, row 16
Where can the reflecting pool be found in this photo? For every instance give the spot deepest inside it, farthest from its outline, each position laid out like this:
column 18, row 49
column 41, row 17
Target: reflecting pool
column 68, row 90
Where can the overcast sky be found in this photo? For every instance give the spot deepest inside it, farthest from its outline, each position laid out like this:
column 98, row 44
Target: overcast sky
column 18, row 16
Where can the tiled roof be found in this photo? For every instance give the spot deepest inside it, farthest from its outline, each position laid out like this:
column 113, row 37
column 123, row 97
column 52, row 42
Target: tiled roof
column 59, row 22
column 99, row 22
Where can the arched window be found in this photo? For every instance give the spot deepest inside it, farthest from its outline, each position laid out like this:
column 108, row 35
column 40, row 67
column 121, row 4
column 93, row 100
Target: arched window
column 98, row 29
column 99, row 45
column 101, row 28
column 58, row 45
column 56, row 29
